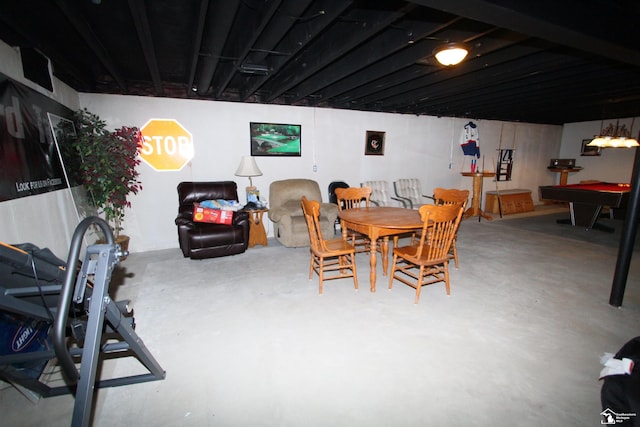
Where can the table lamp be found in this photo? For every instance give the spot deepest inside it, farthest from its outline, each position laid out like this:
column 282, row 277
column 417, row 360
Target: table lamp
column 248, row 167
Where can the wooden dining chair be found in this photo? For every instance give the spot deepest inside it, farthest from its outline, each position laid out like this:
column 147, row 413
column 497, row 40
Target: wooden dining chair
column 335, row 257
column 456, row 197
column 353, row 198
column 428, row 261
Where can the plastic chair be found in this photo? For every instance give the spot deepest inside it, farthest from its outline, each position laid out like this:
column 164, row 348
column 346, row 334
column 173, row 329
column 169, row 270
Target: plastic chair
column 380, row 194
column 410, row 190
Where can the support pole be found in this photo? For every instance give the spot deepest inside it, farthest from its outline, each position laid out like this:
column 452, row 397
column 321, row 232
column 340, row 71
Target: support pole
column 627, row 240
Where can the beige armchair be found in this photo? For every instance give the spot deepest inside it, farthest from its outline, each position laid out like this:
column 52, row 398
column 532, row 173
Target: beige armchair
column 285, row 211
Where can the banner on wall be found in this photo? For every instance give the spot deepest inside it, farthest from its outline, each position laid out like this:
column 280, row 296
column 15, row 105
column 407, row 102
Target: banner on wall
column 29, row 159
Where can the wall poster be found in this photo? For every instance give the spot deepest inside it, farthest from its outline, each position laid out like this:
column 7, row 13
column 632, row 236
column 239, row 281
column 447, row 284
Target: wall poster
column 28, row 155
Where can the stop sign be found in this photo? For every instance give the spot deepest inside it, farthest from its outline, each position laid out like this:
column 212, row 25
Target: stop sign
column 167, row 145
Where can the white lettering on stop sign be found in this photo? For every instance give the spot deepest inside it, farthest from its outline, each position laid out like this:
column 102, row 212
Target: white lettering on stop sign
column 162, row 145
column 166, row 145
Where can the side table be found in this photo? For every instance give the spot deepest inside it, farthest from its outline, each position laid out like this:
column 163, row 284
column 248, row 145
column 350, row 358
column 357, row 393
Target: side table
column 475, row 209
column 257, row 235
column 564, row 173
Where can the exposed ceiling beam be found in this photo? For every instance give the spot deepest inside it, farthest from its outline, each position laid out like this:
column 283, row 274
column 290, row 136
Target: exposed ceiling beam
column 16, row 22
column 250, row 37
column 197, row 44
column 420, row 51
column 321, row 14
column 551, row 20
column 139, row 13
column 355, row 28
column 365, row 56
column 81, row 25
column 220, row 20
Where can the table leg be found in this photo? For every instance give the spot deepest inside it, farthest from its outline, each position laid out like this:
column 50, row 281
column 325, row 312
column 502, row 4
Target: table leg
column 476, row 209
column 372, row 262
column 343, row 229
column 385, row 255
column 257, row 234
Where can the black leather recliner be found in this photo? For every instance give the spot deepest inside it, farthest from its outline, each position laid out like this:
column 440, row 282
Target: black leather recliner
column 200, row 240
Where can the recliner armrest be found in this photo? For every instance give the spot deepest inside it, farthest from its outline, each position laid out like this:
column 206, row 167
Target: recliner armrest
column 329, row 210
column 184, row 219
column 240, row 218
column 278, row 214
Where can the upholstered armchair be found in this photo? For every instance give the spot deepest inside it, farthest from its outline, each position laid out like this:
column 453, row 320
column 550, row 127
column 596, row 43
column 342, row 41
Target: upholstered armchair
column 200, row 240
column 285, row 211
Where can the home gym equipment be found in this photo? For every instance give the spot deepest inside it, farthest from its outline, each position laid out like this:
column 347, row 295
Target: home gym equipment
column 61, row 312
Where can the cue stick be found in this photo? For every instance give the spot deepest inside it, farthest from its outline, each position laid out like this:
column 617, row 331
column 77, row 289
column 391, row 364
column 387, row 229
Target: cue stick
column 498, row 192
column 496, row 170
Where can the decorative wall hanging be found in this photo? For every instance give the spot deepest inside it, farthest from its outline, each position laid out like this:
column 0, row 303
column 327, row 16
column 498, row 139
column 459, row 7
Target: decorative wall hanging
column 589, row 150
column 276, row 139
column 374, row 145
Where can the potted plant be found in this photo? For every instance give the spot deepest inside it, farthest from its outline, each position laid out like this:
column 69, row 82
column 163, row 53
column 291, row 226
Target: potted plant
column 108, row 167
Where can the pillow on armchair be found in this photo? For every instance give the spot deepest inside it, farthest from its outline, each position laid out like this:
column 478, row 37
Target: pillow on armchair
column 285, row 211
column 200, row 240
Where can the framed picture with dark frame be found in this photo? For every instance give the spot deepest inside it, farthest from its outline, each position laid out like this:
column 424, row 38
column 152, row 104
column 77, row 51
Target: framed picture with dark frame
column 374, row 144
column 589, row 151
column 276, row 139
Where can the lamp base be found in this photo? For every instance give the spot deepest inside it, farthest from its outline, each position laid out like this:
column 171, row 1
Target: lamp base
column 253, row 195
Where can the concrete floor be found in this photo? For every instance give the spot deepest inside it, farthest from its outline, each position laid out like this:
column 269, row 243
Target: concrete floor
column 247, row 341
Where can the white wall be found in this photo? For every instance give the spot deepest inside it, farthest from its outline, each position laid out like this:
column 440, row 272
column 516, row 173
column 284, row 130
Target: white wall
column 423, row 147
column 613, row 164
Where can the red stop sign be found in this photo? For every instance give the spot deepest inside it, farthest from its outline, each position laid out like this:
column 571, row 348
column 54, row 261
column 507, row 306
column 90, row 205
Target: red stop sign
column 167, row 145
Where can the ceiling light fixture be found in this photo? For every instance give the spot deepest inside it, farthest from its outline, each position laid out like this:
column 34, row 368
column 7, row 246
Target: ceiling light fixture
column 450, row 54
column 617, row 136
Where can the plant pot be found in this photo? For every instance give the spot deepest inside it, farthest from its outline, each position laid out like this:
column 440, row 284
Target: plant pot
column 121, row 240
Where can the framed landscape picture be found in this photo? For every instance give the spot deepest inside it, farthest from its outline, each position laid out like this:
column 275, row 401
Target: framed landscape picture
column 589, row 151
column 374, row 144
column 275, row 139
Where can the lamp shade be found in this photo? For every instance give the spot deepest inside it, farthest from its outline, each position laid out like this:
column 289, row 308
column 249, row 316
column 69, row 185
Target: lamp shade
column 450, row 54
column 248, row 167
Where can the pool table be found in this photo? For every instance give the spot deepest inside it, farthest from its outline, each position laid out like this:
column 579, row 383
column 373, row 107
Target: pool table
column 586, row 201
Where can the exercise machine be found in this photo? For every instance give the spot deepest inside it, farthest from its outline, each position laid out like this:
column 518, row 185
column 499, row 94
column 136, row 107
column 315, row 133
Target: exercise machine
column 70, row 302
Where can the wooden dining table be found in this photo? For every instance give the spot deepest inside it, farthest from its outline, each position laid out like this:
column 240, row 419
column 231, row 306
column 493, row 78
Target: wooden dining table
column 377, row 222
